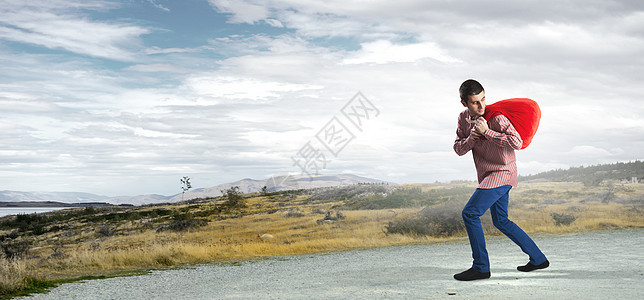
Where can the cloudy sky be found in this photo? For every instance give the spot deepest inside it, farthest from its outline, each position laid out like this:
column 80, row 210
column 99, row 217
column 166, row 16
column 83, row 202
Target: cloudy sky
column 126, row 97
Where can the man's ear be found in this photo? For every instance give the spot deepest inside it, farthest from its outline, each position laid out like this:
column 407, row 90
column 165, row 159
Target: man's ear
column 463, row 102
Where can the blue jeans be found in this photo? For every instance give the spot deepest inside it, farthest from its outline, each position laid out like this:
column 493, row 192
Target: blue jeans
column 496, row 200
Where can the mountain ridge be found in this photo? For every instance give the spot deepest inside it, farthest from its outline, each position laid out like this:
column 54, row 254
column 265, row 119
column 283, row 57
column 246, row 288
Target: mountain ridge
column 593, row 174
column 246, row 185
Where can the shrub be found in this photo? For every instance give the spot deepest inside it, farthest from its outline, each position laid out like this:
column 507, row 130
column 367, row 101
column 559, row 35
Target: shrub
column 411, row 226
column 13, row 250
column 164, row 260
column 181, row 217
column 14, row 234
column 329, row 218
column 563, row 219
column 317, row 211
column 444, row 220
column 438, row 221
column 106, row 231
column 234, row 199
column 294, row 214
column 58, row 251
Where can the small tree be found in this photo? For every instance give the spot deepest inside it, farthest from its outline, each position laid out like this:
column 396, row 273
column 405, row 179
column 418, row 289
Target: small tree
column 235, row 199
column 185, row 185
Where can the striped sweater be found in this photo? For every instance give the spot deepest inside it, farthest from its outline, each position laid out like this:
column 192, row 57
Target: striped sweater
column 494, row 157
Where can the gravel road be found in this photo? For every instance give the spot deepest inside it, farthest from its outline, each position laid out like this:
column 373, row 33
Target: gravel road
column 593, row 265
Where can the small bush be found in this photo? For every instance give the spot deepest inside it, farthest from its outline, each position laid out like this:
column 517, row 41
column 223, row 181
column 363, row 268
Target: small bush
column 58, row 252
column 329, row 218
column 563, row 219
column 106, row 231
column 445, row 219
column 234, row 198
column 14, row 250
column 442, row 220
column 164, row 260
column 410, row 226
column 294, row 214
column 317, row 211
column 14, row 234
column 181, row 217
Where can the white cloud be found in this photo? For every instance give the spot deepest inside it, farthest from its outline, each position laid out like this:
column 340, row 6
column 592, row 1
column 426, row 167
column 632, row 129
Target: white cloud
column 274, row 23
column 158, row 50
column 65, row 30
column 242, row 11
column 590, row 151
column 153, row 68
column 241, row 88
column 159, row 6
column 384, row 51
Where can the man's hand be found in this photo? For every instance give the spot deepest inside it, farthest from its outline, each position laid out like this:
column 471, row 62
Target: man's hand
column 475, row 134
column 480, row 127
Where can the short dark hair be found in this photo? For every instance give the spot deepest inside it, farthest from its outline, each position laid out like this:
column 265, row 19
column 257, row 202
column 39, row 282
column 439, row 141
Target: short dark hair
column 470, row 87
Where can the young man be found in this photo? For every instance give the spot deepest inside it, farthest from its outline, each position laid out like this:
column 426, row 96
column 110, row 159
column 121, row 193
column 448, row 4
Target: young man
column 492, row 144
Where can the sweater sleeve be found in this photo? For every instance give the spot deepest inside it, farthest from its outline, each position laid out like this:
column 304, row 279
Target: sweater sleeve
column 503, row 134
column 463, row 143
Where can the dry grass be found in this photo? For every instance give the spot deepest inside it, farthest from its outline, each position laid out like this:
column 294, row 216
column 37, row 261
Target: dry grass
column 232, row 239
column 136, row 247
column 589, row 216
column 13, row 273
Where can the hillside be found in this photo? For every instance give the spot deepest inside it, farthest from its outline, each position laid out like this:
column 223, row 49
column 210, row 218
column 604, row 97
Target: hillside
column 40, row 249
column 277, row 183
column 593, row 175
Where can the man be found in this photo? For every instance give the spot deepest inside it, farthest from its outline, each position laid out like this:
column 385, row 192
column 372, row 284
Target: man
column 492, row 144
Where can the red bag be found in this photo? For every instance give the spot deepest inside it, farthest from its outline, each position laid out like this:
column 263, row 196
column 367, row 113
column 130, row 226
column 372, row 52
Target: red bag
column 523, row 113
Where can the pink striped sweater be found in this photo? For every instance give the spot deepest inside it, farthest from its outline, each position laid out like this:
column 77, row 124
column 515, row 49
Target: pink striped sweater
column 496, row 164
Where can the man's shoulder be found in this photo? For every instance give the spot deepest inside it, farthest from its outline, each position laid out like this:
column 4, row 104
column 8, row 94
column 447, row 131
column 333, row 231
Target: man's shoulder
column 501, row 123
column 501, row 119
column 464, row 114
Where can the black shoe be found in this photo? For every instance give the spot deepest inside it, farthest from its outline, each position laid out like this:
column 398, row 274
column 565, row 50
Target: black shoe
column 471, row 274
column 530, row 267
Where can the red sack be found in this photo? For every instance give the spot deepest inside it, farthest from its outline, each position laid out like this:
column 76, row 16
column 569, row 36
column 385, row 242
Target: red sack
column 523, row 113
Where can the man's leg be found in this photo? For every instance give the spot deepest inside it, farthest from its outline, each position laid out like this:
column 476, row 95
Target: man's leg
column 481, row 200
column 499, row 212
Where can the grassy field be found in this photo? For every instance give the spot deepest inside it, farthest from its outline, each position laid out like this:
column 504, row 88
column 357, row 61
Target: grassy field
column 114, row 241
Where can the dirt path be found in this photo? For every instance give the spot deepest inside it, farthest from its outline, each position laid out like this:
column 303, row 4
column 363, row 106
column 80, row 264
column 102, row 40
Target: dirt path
column 594, row 265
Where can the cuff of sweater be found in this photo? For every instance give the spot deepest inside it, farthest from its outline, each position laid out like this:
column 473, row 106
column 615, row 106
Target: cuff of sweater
column 490, row 134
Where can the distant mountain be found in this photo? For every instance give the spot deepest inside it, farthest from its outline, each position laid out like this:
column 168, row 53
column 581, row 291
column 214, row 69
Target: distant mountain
column 139, row 200
column 593, row 175
column 67, row 197
column 277, row 183
column 60, row 198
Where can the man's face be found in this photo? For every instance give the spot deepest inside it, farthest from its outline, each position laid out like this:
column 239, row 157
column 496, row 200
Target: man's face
column 476, row 104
